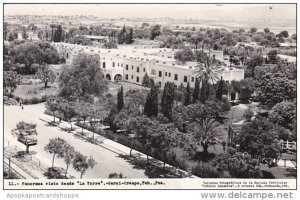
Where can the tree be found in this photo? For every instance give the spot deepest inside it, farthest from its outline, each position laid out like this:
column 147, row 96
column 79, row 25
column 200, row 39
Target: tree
column 143, row 128
column 206, row 73
column 185, row 55
column 11, row 37
column 56, row 147
column 155, row 32
column 164, row 139
column 244, row 87
column 205, row 131
column 5, row 30
column 167, row 100
column 80, row 39
column 284, row 114
column 147, row 81
column 121, row 36
column 84, row 110
column 151, row 104
column 129, row 37
column 187, row 95
column 284, row 34
column 110, row 45
column 253, row 30
column 58, row 34
column 115, row 175
column 120, row 100
column 83, row 78
column 69, row 156
column 221, row 84
column 53, row 105
column 24, row 34
column 239, row 165
column 196, row 92
column 255, row 60
column 46, row 74
column 275, row 88
column 26, row 133
column 272, row 55
column 11, row 81
column 68, row 111
column 266, row 30
column 135, row 102
column 196, row 39
column 172, row 41
column 259, row 138
column 35, row 52
column 82, row 163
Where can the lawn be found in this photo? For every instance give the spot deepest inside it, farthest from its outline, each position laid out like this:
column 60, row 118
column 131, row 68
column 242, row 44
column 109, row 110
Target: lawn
column 35, row 90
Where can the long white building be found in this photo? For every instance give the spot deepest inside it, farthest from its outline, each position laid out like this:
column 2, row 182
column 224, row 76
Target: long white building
column 129, row 63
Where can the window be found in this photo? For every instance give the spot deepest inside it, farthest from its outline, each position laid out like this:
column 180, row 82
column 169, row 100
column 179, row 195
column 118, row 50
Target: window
column 137, row 79
column 137, row 69
column 144, row 69
column 121, row 65
column 175, row 77
column 185, row 79
column 193, row 79
column 118, row 64
column 126, row 67
column 113, row 64
column 159, row 73
column 103, row 64
column 153, row 72
column 132, row 67
column 166, row 73
column 169, row 74
column 131, row 76
column 126, row 76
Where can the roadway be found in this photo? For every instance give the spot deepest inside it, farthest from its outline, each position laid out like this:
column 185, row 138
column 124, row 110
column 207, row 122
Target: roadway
column 108, row 160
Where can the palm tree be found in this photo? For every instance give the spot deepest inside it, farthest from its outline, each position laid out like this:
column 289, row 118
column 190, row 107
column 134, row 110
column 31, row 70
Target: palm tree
column 206, row 132
column 206, row 71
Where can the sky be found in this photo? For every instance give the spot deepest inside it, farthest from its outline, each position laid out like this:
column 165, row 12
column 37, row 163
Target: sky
column 200, row 11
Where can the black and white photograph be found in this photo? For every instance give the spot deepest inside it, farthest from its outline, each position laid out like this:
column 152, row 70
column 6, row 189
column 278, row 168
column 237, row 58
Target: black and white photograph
column 149, row 96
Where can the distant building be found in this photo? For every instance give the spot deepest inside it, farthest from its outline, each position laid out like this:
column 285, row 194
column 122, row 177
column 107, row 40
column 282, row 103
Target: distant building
column 100, row 39
column 20, row 36
column 131, row 64
column 32, row 36
column 288, row 45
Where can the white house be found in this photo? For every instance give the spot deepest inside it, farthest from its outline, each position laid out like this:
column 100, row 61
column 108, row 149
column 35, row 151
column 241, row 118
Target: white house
column 131, row 64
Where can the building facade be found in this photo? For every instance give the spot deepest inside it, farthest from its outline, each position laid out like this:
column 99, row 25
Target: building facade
column 131, row 64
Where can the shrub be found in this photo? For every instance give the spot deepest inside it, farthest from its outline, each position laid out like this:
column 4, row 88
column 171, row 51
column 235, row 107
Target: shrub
column 35, row 100
column 55, row 173
column 12, row 175
column 205, row 170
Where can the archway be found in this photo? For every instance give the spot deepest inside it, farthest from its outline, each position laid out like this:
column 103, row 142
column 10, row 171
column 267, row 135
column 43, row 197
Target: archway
column 118, row 77
column 108, row 77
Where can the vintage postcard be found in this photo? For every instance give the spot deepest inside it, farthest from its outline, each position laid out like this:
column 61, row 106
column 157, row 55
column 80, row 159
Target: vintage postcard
column 149, row 96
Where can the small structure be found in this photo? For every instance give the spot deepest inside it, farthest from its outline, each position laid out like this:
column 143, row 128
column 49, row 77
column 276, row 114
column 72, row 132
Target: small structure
column 100, row 39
